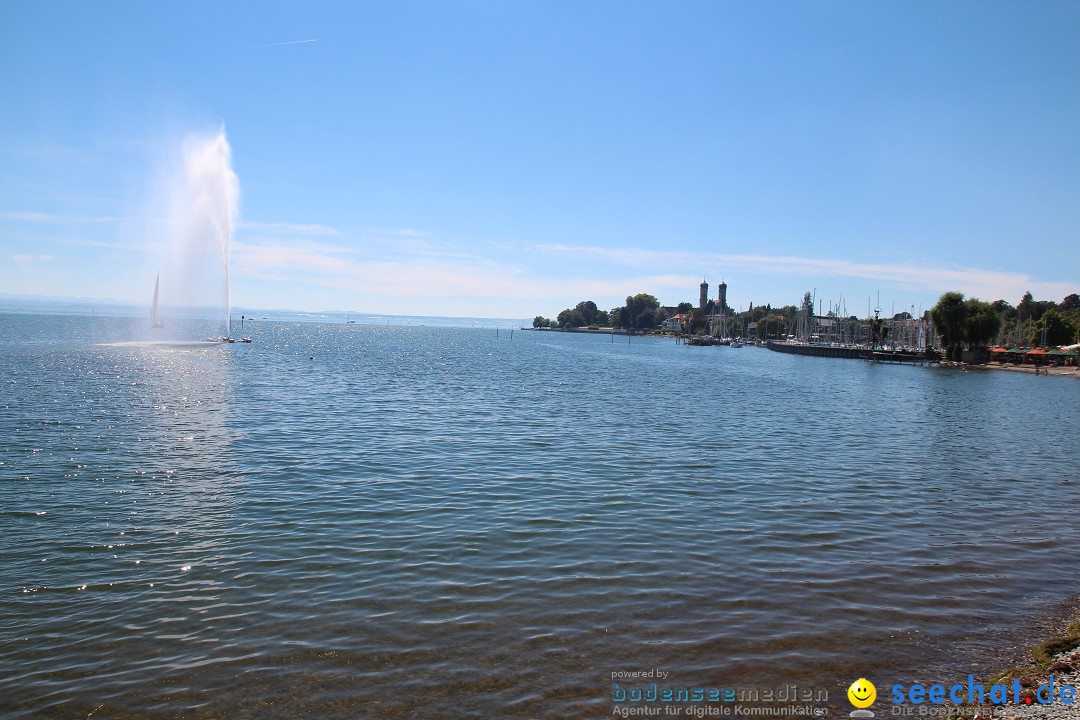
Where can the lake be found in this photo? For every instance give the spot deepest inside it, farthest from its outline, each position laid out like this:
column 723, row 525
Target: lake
column 345, row 520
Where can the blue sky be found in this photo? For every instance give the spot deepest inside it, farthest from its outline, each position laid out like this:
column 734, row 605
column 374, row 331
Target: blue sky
column 513, row 158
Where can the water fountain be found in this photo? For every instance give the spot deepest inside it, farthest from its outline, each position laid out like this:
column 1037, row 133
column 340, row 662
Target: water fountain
column 200, row 211
column 195, row 213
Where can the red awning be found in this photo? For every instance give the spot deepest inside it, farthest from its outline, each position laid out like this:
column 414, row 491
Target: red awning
column 999, row 349
column 1037, row 351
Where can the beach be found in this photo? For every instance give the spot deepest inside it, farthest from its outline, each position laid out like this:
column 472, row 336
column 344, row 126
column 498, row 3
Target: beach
column 1057, row 666
column 1061, row 371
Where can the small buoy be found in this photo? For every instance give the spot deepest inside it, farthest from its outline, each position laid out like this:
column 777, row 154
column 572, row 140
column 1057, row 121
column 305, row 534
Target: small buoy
column 311, row 357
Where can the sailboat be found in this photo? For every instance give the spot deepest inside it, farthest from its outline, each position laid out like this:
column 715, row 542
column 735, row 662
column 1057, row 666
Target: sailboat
column 155, row 321
column 738, row 342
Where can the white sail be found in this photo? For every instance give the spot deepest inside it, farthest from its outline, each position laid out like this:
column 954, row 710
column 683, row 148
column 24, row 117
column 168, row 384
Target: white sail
column 155, row 321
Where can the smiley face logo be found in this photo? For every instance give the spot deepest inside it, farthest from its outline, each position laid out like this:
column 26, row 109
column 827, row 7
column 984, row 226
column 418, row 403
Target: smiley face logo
column 862, row 693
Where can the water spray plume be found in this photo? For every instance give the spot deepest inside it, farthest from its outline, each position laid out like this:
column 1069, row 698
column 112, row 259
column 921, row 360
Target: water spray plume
column 202, row 214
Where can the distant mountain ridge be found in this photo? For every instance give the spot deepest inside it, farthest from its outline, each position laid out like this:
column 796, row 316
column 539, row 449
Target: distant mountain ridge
column 82, row 305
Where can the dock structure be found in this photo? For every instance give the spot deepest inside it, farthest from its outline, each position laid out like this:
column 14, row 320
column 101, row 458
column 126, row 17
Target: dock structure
column 917, row 357
column 834, row 351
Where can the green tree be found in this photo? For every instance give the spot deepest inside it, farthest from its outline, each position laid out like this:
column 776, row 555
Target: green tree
column 571, row 319
column 642, row 301
column 683, row 308
column 602, row 317
column 1032, row 308
column 646, row 319
column 1007, row 311
column 771, row 327
column 1059, row 330
column 1026, row 306
column 696, row 321
column 1071, row 302
column 587, row 308
column 1073, row 318
column 948, row 316
column 1017, row 331
column 981, row 323
column 641, row 311
column 541, row 322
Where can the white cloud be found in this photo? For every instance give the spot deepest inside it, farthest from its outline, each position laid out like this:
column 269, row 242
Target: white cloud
column 422, row 271
column 136, row 247
column 40, row 217
column 978, row 282
column 24, row 259
column 275, row 228
column 393, row 232
column 295, row 256
column 412, row 271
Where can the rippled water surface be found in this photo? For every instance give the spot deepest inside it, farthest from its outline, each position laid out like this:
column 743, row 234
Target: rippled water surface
column 357, row 521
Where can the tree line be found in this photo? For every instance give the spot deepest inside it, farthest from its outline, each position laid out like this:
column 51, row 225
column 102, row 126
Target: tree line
column 641, row 312
column 959, row 321
column 973, row 323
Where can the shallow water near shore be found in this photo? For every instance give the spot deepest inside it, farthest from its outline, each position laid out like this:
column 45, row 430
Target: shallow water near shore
column 440, row 522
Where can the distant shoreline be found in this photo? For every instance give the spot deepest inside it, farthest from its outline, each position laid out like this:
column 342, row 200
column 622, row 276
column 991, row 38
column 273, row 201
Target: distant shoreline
column 93, row 308
column 584, row 331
